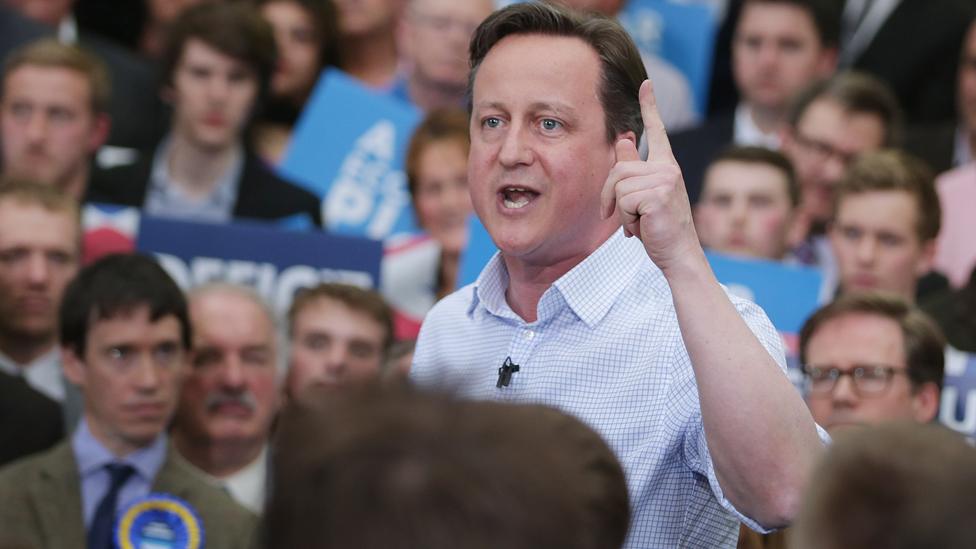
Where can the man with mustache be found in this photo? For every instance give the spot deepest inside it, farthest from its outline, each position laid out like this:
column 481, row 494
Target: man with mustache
column 232, row 392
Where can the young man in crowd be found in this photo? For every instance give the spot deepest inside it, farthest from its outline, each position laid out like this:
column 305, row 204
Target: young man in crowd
column 125, row 334
column 54, row 102
column 830, row 124
column 232, row 392
column 747, row 203
column 886, row 217
column 779, row 48
column 340, row 334
column 216, row 69
column 40, row 241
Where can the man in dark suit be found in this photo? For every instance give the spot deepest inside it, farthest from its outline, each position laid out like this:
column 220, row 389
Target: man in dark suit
column 29, row 421
column 216, row 68
column 912, row 45
column 779, row 47
column 125, row 334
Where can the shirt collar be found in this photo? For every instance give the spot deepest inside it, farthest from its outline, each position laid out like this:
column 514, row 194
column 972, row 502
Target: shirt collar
column 247, row 486
column 223, row 192
column 92, row 455
column 43, row 373
column 589, row 289
column 746, row 132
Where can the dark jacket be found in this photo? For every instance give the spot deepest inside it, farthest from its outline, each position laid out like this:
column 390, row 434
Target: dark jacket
column 261, row 194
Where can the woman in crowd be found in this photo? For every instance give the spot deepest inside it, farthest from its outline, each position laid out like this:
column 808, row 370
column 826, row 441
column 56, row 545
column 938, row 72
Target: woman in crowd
column 306, row 36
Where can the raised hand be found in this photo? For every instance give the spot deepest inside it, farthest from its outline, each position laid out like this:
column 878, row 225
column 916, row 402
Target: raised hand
column 649, row 196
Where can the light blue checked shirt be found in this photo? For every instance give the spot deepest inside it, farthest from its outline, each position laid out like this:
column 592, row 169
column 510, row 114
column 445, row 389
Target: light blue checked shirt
column 606, row 348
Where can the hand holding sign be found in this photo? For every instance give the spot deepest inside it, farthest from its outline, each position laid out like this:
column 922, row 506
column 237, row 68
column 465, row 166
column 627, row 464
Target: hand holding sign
column 649, row 196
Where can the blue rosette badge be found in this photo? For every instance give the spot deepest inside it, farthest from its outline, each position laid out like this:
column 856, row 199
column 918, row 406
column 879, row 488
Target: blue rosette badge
column 159, row 521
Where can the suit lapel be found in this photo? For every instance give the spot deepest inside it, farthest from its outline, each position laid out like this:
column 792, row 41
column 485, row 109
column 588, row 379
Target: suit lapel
column 57, row 494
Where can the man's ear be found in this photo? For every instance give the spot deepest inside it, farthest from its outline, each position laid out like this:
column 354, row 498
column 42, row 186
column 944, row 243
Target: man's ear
column 925, row 402
column 927, row 258
column 72, row 366
column 100, row 131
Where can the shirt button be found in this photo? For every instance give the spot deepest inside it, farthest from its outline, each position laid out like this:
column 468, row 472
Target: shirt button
column 529, row 334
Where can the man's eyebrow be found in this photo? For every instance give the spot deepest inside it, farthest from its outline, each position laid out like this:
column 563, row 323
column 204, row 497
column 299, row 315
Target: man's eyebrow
column 556, row 107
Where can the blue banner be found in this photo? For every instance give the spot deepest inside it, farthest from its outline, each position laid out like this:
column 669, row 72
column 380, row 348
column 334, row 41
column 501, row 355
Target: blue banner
column 274, row 261
column 681, row 34
column 349, row 147
column 958, row 402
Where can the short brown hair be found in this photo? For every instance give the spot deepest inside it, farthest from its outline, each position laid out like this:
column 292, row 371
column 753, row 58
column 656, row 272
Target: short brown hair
column 622, row 69
column 48, row 197
column 923, row 341
column 379, row 467
column 900, row 485
column 50, row 53
column 326, row 21
column 761, row 155
column 438, row 125
column 359, row 299
column 824, row 14
column 855, row 93
column 893, row 170
column 235, row 29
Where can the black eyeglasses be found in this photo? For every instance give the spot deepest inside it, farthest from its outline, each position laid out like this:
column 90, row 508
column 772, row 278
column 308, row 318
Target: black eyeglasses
column 823, row 150
column 868, row 380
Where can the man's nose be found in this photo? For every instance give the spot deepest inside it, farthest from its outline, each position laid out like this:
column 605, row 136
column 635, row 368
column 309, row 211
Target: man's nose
column 38, row 270
column 514, row 148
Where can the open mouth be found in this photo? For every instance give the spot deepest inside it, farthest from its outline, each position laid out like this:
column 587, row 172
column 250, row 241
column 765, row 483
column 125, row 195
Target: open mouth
column 517, row 197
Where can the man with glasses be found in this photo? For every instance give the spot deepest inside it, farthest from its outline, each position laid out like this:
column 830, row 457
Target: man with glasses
column 433, row 40
column 871, row 358
column 831, row 123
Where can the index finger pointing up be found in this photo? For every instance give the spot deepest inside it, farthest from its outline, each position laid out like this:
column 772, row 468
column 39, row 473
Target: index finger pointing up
column 658, row 145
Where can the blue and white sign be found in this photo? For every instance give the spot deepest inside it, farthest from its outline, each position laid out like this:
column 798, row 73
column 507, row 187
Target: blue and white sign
column 681, row 34
column 349, row 147
column 958, row 403
column 274, row 261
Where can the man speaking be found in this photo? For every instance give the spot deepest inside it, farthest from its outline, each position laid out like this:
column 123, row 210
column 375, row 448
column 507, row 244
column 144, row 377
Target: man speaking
column 633, row 335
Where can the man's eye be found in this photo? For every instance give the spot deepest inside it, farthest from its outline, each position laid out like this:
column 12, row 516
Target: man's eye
column 549, row 124
column 492, row 122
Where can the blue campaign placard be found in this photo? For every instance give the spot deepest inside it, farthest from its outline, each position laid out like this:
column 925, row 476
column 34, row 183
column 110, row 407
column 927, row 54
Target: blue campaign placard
column 476, row 254
column 348, row 147
column 274, row 261
column 958, row 400
column 788, row 293
column 682, row 34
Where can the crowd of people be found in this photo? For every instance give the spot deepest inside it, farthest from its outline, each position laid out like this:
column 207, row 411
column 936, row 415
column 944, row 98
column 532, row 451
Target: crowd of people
column 595, row 386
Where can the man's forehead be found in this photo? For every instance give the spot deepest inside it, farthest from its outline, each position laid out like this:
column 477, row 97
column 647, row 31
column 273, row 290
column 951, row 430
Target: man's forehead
column 19, row 221
column 26, row 78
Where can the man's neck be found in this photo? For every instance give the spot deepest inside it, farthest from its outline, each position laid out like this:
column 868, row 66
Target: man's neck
column 219, row 459
column 528, row 280
column 77, row 183
column 25, row 349
column 195, row 170
column 371, row 58
column 428, row 94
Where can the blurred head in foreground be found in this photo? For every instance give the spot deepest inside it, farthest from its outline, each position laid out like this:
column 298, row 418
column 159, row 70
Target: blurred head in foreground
column 397, row 468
